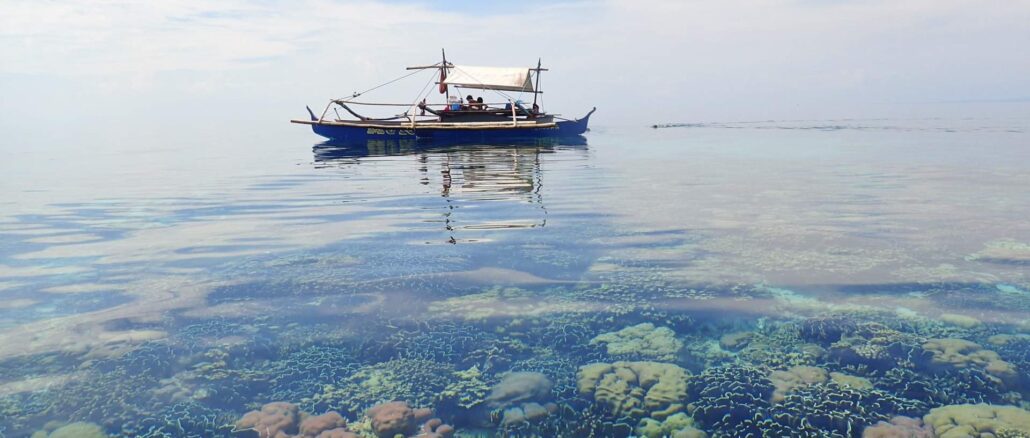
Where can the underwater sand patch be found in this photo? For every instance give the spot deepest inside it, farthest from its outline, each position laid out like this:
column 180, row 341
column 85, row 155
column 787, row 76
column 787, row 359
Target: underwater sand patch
column 495, row 276
column 34, row 384
column 19, row 303
column 40, row 271
column 1005, row 251
column 66, row 238
column 41, row 230
column 82, row 288
column 323, row 306
column 5, row 285
column 95, row 332
column 507, row 302
column 944, row 272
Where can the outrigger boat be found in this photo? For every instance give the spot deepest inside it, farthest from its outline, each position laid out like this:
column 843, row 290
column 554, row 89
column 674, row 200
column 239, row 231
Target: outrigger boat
column 456, row 120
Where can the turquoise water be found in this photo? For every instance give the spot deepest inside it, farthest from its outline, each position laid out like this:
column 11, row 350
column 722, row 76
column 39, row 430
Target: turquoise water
column 771, row 278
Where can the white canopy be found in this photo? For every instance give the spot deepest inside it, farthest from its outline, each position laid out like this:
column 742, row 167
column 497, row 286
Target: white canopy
column 494, row 78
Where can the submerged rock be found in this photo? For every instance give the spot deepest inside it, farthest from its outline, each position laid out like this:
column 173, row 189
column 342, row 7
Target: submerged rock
column 520, row 387
column 74, row 430
column 735, row 341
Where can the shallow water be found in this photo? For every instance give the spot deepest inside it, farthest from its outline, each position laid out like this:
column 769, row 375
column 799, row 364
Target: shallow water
column 807, row 276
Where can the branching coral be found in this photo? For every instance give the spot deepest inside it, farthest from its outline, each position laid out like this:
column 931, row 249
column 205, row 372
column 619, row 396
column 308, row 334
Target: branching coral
column 417, row 381
column 468, row 390
column 826, row 330
column 829, row 410
column 731, row 399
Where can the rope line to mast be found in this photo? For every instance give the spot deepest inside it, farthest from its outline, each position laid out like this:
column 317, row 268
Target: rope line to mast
column 356, row 94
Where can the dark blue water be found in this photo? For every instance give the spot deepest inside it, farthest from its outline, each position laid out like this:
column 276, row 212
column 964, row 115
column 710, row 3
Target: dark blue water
column 813, row 278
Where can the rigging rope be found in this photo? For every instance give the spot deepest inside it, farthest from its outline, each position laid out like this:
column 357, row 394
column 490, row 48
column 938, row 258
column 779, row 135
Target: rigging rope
column 356, row 94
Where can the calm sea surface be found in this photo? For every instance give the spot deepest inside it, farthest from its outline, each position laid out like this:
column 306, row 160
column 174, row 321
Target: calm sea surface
column 813, row 278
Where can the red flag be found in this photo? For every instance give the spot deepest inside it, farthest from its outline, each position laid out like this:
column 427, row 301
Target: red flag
column 443, row 76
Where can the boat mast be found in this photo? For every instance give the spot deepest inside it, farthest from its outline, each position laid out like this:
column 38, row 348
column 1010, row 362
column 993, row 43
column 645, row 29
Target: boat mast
column 536, row 89
column 443, row 65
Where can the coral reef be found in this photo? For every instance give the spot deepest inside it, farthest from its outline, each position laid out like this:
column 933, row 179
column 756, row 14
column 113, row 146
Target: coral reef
column 736, row 340
column 396, row 418
column 528, row 412
column 979, row 420
column 964, row 321
column 434, row 428
column 417, row 381
column 635, row 389
column 468, row 390
column 641, row 341
column 826, row 330
column 852, row 381
column 960, row 353
column 837, row 411
column 73, row 430
column 678, row 425
column 731, row 399
column 795, row 377
column 520, row 387
column 284, row 420
column 899, row 427
column 875, row 348
column 952, row 387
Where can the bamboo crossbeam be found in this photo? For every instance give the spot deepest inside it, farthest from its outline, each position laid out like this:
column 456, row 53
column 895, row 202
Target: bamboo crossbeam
column 427, row 67
column 351, row 102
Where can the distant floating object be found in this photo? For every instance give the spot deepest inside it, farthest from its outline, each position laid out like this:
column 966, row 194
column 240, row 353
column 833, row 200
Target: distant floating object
column 456, row 120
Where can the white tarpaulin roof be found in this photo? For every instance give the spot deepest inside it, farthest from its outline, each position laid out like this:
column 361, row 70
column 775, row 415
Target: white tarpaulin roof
column 494, row 78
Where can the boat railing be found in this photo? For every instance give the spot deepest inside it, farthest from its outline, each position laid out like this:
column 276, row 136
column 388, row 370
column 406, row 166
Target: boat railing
column 411, row 115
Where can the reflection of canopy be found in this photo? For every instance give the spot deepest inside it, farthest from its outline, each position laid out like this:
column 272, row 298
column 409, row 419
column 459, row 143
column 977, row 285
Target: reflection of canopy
column 493, row 78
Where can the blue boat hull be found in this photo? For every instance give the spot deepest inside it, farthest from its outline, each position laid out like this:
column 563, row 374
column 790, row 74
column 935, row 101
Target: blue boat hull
column 351, row 133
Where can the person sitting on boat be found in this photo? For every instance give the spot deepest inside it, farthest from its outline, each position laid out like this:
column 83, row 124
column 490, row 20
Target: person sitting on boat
column 479, row 103
column 470, row 103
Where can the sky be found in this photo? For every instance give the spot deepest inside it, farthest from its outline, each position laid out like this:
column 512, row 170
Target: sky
column 154, row 66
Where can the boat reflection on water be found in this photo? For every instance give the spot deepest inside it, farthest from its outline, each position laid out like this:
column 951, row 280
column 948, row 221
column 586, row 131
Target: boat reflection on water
column 467, row 174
